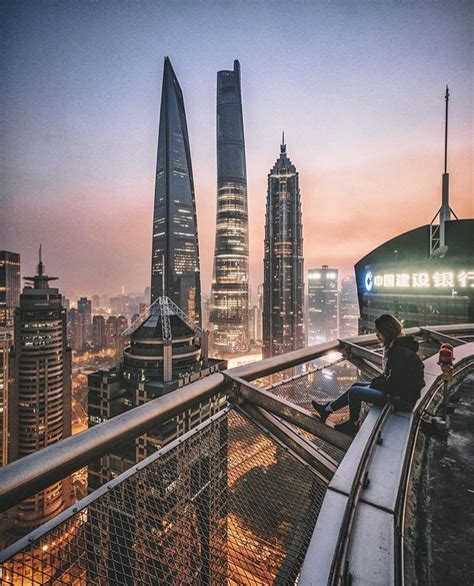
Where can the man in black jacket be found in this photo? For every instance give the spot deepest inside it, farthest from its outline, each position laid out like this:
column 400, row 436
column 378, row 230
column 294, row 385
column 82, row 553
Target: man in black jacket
column 400, row 382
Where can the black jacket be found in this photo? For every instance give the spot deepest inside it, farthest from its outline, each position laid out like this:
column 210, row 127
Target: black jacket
column 403, row 375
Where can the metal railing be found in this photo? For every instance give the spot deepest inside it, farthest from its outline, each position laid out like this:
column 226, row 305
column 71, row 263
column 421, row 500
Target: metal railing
column 268, row 434
column 338, row 571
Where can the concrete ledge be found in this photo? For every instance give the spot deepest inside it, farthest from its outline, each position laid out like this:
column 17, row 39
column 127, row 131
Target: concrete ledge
column 344, row 476
column 318, row 560
column 372, row 545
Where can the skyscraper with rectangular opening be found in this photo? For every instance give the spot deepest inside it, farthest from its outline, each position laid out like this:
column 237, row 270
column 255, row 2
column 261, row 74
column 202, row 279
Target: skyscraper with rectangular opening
column 230, row 293
column 175, row 238
column 283, row 263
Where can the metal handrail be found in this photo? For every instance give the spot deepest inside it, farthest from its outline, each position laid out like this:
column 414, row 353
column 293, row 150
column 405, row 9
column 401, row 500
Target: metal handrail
column 338, row 572
column 401, row 504
column 338, row 575
column 31, row 474
column 35, row 472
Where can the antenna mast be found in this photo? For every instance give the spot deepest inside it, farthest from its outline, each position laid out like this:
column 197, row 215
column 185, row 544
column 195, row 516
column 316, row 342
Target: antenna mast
column 438, row 245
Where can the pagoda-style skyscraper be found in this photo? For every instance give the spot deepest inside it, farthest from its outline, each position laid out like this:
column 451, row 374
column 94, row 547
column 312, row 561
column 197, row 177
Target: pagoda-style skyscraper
column 175, row 239
column 230, row 293
column 283, row 262
column 40, row 401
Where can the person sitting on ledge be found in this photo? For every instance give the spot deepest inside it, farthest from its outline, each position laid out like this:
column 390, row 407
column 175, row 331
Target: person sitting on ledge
column 400, row 382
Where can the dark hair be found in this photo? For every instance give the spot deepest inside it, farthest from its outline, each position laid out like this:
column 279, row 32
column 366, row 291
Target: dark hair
column 389, row 327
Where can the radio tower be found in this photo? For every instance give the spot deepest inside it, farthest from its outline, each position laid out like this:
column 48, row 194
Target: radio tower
column 438, row 246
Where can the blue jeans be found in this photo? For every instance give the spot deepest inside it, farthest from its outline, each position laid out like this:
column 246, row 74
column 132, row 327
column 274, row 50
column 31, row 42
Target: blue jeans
column 355, row 395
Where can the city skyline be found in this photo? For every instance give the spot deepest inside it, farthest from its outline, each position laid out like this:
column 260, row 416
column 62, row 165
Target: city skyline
column 372, row 127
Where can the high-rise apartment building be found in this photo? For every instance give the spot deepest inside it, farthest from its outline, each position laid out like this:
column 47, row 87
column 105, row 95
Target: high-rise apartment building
column 84, row 306
column 348, row 309
column 9, row 287
column 9, row 301
column 175, row 237
column 323, row 305
column 111, row 330
column 75, row 329
column 99, row 333
column 122, row 324
column 283, row 263
column 41, row 397
column 230, row 294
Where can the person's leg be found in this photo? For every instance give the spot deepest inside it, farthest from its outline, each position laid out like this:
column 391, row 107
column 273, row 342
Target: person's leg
column 357, row 394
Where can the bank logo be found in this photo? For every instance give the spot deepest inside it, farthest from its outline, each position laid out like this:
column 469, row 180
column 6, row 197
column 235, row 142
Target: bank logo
column 369, row 281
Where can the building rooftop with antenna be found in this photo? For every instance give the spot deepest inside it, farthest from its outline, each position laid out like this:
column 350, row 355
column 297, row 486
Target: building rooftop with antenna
column 424, row 276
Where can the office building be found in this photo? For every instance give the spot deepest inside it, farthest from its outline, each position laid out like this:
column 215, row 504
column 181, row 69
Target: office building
column 425, row 276
column 41, row 397
column 323, row 305
column 229, row 306
column 348, row 309
column 175, row 236
column 283, row 287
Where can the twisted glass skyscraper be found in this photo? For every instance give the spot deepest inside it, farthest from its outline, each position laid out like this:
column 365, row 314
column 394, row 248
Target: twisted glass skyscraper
column 283, row 263
column 230, row 293
column 175, row 238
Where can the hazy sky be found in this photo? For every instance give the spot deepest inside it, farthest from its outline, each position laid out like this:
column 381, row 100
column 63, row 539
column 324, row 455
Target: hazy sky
column 358, row 88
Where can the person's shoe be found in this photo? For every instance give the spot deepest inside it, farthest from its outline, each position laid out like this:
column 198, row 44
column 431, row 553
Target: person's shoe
column 348, row 427
column 321, row 410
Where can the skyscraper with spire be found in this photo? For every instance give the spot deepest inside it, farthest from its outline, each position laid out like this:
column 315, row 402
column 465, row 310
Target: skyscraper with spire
column 41, row 394
column 175, row 249
column 230, row 293
column 283, row 261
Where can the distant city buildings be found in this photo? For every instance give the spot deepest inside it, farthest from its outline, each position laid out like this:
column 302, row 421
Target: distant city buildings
column 348, row 309
column 229, row 306
column 10, row 287
column 323, row 305
column 40, row 397
column 175, row 237
column 111, row 330
column 75, row 329
column 99, row 332
column 283, row 263
column 122, row 324
column 84, row 307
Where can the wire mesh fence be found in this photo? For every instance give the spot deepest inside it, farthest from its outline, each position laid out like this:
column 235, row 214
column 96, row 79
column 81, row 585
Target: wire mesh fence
column 224, row 504
column 323, row 383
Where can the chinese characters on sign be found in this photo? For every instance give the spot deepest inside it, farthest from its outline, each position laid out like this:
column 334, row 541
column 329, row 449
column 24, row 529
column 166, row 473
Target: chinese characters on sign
column 439, row 280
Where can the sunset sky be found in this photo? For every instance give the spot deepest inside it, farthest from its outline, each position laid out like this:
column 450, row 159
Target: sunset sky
column 358, row 88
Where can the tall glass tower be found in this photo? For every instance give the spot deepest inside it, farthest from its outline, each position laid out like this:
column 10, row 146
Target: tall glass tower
column 175, row 238
column 230, row 292
column 283, row 262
